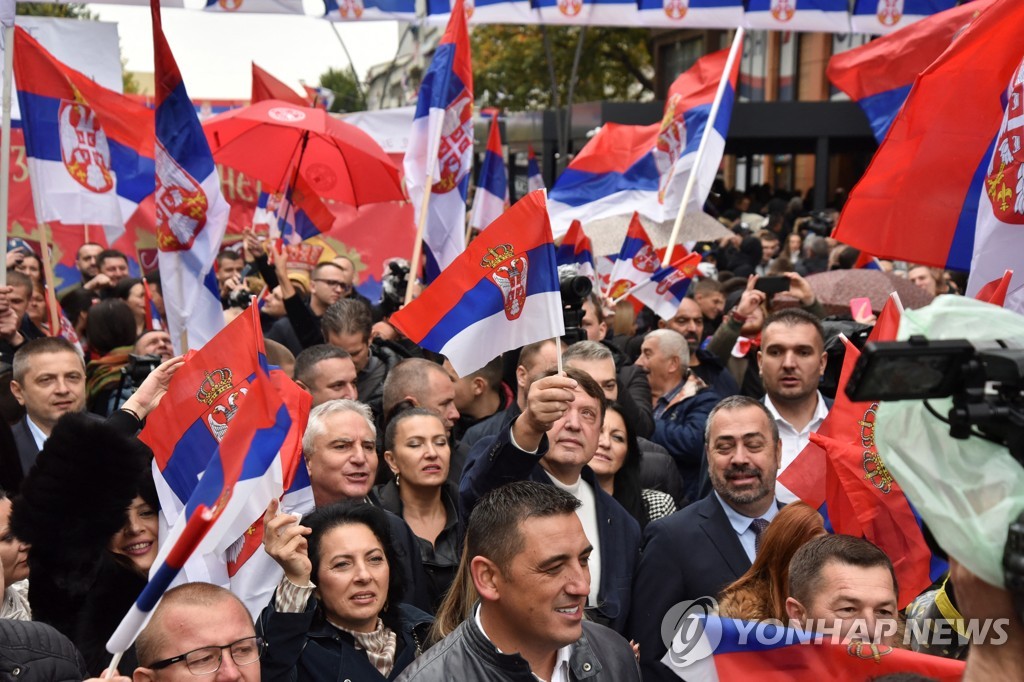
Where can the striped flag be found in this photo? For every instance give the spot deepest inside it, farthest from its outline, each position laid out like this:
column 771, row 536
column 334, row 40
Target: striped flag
column 491, row 198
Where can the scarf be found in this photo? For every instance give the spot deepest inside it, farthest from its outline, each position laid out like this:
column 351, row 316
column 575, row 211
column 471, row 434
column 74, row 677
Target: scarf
column 380, row 646
column 105, row 372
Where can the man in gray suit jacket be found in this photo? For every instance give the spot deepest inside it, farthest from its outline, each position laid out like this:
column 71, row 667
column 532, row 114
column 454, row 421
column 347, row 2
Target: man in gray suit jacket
column 701, row 549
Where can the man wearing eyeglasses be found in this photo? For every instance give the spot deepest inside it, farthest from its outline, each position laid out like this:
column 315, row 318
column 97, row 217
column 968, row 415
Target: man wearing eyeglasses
column 300, row 328
column 199, row 630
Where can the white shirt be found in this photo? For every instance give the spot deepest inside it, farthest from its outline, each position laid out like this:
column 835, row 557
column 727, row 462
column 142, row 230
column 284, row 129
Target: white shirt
column 37, row 434
column 741, row 524
column 793, row 441
column 587, row 514
column 560, row 673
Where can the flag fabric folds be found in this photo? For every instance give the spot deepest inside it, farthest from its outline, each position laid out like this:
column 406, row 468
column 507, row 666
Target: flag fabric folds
column 628, row 168
column 440, row 153
column 952, row 136
column 306, row 215
column 265, row 86
column 238, row 478
column 319, row 96
column 995, row 291
column 636, row 263
column 534, row 179
column 491, row 197
column 576, row 250
column 255, row 6
column 713, row 649
column 89, row 150
column 191, row 213
column 880, row 17
column 827, row 16
column 502, row 292
column 665, row 290
column 878, row 76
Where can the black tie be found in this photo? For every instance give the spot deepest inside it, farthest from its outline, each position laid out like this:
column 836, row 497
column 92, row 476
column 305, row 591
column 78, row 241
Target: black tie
column 758, row 525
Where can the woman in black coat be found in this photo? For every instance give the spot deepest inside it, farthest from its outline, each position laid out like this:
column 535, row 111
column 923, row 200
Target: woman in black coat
column 338, row 607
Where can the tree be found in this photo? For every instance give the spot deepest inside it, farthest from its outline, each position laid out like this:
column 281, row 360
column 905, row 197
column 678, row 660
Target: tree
column 347, row 94
column 510, row 68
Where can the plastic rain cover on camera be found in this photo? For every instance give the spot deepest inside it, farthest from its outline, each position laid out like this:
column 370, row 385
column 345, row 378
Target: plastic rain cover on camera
column 967, row 491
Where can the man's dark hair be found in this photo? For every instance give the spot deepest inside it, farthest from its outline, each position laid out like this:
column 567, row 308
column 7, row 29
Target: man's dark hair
column 227, row 254
column 347, row 316
column 320, row 267
column 490, row 373
column 77, row 301
column 531, row 350
column 707, row 286
column 409, row 377
column 739, row 402
column 325, row 519
column 78, row 253
column 307, row 360
column 47, row 344
column 493, row 531
column 810, row 560
column 794, row 316
column 587, row 384
column 109, row 254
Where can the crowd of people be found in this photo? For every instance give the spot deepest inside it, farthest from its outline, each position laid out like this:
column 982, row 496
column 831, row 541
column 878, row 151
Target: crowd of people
column 515, row 523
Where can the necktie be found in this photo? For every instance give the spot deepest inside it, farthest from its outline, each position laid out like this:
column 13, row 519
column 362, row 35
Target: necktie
column 758, row 526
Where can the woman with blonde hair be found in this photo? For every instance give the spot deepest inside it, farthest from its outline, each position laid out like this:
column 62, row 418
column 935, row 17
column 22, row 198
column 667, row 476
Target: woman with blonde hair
column 760, row 593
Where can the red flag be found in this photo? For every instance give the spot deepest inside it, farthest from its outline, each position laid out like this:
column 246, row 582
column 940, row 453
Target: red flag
column 265, row 86
column 995, row 291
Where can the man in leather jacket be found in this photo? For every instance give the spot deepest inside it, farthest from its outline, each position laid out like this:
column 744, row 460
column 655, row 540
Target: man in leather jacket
column 528, row 559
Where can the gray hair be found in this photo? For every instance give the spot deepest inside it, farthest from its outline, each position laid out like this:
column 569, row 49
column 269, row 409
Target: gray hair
column 587, row 351
column 47, row 344
column 673, row 344
column 315, row 427
column 739, row 402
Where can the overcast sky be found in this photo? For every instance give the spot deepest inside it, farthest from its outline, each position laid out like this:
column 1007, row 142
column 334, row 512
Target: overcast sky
column 214, row 51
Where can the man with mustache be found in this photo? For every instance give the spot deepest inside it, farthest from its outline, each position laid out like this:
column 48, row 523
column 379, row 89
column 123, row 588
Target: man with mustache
column 699, row 550
column 690, row 322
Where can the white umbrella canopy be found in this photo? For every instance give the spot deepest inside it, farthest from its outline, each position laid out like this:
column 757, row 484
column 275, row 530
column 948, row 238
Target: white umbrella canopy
column 607, row 234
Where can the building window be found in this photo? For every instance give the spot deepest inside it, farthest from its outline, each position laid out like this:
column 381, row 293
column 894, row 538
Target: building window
column 753, row 68
column 789, row 56
column 680, row 56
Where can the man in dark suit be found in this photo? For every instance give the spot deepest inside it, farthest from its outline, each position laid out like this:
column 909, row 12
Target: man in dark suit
column 48, row 381
column 551, row 442
column 698, row 551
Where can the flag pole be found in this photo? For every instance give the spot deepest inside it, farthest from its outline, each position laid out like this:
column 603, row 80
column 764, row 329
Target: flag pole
column 691, row 181
column 421, row 226
column 5, row 147
column 51, row 293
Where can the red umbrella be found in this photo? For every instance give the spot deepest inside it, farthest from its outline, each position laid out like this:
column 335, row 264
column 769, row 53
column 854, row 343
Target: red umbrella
column 267, row 139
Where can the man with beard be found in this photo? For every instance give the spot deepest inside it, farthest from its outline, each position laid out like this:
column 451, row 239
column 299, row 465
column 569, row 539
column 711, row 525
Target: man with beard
column 699, row 550
column 689, row 321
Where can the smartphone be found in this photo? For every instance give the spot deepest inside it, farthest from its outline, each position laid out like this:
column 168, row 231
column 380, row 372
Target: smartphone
column 772, row 285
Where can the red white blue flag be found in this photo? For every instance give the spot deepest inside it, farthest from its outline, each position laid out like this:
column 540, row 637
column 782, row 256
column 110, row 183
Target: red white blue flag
column 881, row 17
column 306, row 215
column 586, row 12
column 238, row 477
column 945, row 187
column 711, row 649
column 491, row 198
column 691, row 13
column 369, row 10
column 667, row 287
column 878, row 76
column 255, row 6
column 89, row 149
column 827, row 16
column 485, row 11
column 638, row 261
column 191, row 213
column 644, row 169
column 501, row 293
column 577, row 251
column 440, row 153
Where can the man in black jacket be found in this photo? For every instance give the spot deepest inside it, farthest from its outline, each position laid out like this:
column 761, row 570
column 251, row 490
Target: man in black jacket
column 529, row 562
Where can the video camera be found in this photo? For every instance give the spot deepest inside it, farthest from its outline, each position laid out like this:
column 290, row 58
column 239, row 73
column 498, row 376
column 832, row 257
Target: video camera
column 574, row 290
column 986, row 382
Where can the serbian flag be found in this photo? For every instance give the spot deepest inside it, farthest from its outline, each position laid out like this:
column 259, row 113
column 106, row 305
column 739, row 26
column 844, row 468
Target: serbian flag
column 576, row 250
column 153, row 319
column 995, row 291
column 441, row 148
column 667, row 287
column 191, row 213
column 201, row 401
column 501, row 293
column 644, row 169
column 586, row 12
column 956, row 131
column 255, row 6
column 638, row 261
column 485, row 11
column 534, row 179
column 878, row 76
column 265, row 86
column 690, row 13
column 713, row 649
column 306, row 216
column 491, row 198
column 89, row 149
column 369, row 10
column 826, row 16
column 319, row 96
column 880, row 17
column 238, row 477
